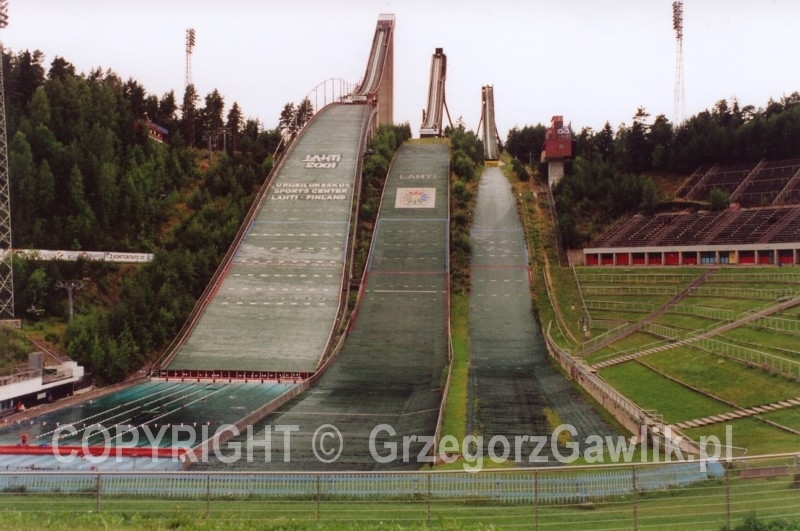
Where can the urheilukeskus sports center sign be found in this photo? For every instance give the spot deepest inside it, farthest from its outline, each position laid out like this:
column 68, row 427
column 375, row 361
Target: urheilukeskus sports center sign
column 95, row 256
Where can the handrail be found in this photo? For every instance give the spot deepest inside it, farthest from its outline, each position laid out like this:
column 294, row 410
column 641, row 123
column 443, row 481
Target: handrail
column 344, row 286
column 450, row 352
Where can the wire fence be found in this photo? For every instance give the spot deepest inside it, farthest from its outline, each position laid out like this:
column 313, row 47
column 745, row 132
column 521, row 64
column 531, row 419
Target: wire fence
column 743, row 293
column 630, row 290
column 587, row 275
column 621, row 306
column 751, row 356
column 778, row 324
column 694, row 495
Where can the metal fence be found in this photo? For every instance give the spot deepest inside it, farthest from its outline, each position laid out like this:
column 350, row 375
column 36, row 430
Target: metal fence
column 587, row 275
column 778, row 324
column 643, row 495
column 630, row 290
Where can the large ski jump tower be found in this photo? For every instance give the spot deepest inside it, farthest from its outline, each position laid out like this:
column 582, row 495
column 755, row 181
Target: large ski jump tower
column 386, row 88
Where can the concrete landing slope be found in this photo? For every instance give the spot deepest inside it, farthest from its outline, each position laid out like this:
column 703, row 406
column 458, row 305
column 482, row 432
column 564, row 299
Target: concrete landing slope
column 512, row 383
column 390, row 369
column 277, row 305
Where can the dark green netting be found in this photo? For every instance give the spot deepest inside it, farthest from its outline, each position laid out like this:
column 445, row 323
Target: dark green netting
column 512, row 382
column 390, row 368
column 277, row 304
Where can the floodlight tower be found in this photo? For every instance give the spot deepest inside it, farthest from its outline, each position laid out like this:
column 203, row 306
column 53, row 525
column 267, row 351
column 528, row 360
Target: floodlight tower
column 680, row 96
column 189, row 50
column 6, row 265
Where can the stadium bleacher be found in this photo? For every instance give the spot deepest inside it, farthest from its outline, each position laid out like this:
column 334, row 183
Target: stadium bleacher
column 762, row 221
column 767, row 182
column 727, row 178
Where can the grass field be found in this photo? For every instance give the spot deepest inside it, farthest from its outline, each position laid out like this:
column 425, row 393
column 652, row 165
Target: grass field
column 632, row 343
column 709, row 505
column 694, row 373
column 704, row 505
column 652, row 391
column 455, row 411
column 737, row 383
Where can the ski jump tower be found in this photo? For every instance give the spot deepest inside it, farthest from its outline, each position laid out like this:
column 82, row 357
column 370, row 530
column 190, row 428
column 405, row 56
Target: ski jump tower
column 386, row 89
column 557, row 147
column 377, row 85
column 491, row 140
column 432, row 117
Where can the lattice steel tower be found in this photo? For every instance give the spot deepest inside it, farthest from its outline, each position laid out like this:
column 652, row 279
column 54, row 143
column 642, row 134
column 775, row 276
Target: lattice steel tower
column 189, row 50
column 6, row 265
column 680, row 96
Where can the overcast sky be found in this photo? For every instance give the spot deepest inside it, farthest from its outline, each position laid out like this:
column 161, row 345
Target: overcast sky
column 591, row 61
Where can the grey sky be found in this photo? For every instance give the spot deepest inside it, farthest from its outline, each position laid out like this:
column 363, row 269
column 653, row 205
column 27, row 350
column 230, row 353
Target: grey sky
column 591, row 61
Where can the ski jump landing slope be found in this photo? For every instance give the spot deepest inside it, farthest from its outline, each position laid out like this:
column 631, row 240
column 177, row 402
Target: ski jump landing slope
column 278, row 302
column 389, row 371
column 512, row 382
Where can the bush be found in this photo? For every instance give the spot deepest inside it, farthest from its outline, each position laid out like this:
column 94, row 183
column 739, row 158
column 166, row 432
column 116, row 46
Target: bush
column 719, row 199
column 463, row 166
column 519, row 170
column 461, row 194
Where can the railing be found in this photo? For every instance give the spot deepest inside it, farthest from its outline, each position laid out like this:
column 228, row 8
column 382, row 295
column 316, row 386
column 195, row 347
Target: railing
column 771, row 362
column 18, row 374
column 720, row 314
column 637, row 278
column 621, row 306
column 615, row 332
column 331, row 90
column 778, row 324
column 534, row 498
column 605, row 393
column 743, row 293
column 631, row 290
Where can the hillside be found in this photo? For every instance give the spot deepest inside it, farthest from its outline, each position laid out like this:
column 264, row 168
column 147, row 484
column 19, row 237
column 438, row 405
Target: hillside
column 87, row 173
column 638, row 167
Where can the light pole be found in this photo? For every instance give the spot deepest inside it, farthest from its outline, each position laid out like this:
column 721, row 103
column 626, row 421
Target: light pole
column 6, row 262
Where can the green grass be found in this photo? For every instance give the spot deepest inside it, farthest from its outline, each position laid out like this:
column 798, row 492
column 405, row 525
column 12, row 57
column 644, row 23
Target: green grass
column 700, row 506
column 737, row 305
column 15, row 348
column 780, row 344
column 627, row 345
column 618, row 315
column 455, row 410
column 757, row 437
column 681, row 274
column 725, row 378
column 789, row 417
column 655, row 300
column 569, row 300
column 687, row 322
column 652, row 391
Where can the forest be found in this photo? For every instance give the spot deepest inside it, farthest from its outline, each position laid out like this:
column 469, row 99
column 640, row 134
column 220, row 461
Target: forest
column 629, row 170
column 87, row 176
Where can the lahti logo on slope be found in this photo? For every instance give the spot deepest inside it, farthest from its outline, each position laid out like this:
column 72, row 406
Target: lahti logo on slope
column 415, row 198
